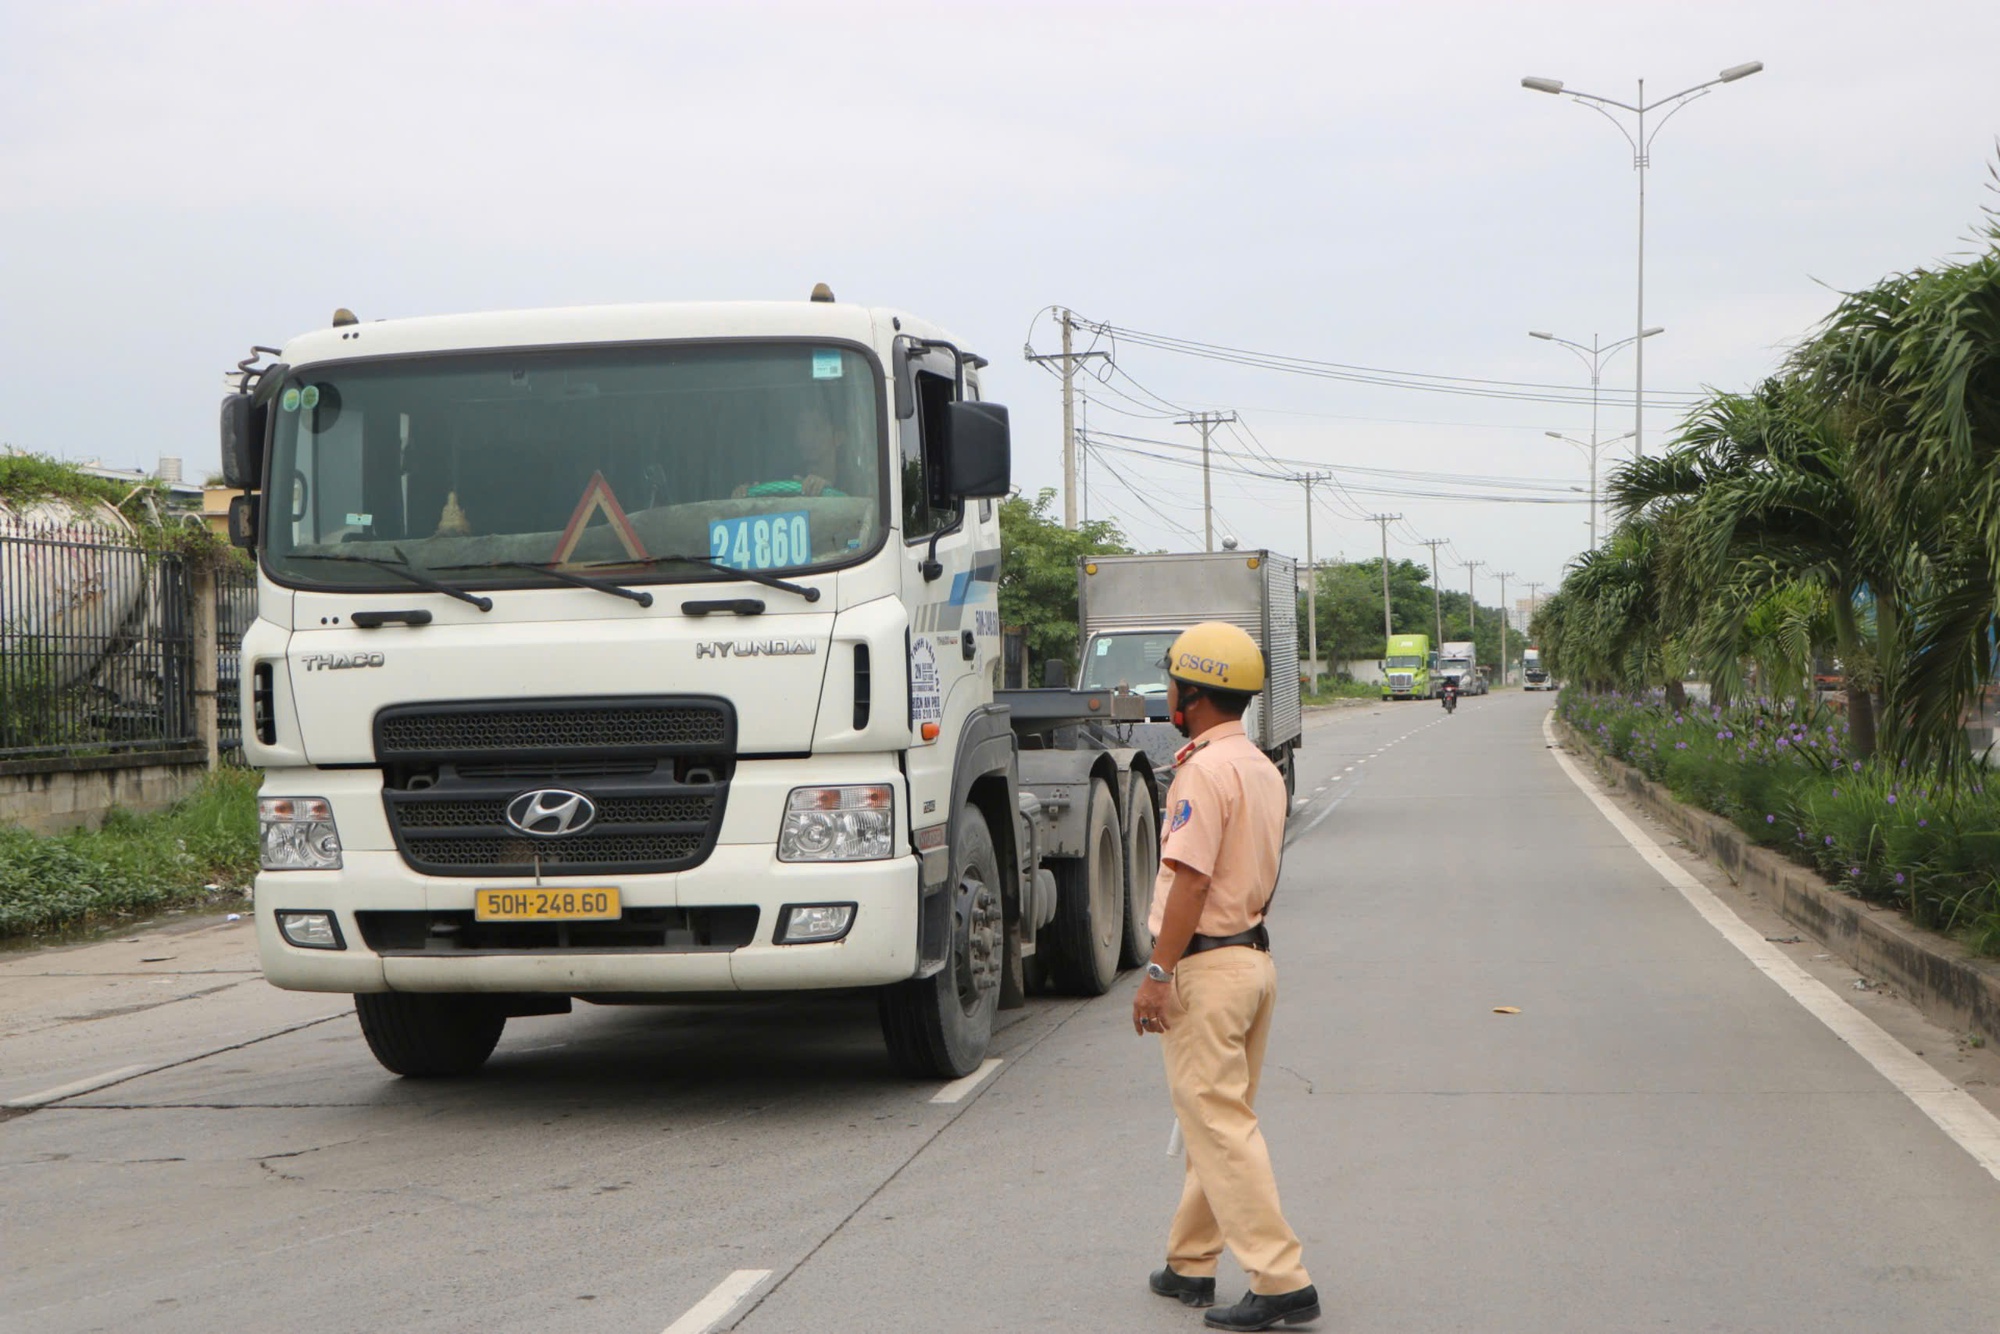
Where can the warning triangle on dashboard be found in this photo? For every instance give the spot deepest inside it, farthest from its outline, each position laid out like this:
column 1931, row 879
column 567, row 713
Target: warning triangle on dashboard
column 598, row 499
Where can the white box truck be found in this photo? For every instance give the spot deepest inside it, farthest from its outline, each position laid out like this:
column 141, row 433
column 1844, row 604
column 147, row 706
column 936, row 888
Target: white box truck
column 646, row 653
column 1130, row 608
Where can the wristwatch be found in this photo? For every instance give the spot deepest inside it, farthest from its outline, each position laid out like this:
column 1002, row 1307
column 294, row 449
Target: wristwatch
column 1157, row 973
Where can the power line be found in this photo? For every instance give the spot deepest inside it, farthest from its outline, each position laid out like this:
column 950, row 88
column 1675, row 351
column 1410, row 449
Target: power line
column 1529, row 391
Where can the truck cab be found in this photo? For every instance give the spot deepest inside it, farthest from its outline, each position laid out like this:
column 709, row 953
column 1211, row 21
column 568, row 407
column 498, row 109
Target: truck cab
column 634, row 652
column 1409, row 668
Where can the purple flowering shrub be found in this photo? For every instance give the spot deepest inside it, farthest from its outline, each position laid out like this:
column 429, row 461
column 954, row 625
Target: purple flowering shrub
column 1789, row 781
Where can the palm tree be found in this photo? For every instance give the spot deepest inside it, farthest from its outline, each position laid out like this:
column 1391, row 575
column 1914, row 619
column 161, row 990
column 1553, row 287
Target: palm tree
column 1768, row 497
column 1913, row 366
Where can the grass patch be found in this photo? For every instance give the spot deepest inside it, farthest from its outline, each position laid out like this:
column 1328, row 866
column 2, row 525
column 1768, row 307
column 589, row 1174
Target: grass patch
column 135, row 863
column 1787, row 777
column 1330, row 690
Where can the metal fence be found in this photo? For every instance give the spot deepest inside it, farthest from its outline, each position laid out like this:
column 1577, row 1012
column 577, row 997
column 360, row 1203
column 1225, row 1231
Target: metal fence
column 235, row 608
column 99, row 648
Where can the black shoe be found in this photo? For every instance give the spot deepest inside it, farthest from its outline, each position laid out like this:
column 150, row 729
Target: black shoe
column 1260, row 1312
column 1191, row 1291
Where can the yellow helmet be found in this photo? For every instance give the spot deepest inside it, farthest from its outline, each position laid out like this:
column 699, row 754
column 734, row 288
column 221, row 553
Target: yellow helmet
column 1217, row 655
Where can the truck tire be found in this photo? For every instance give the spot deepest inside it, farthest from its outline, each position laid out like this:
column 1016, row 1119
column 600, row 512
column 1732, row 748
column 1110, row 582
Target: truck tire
column 1088, row 934
column 939, row 1026
column 1142, row 866
column 423, row 1036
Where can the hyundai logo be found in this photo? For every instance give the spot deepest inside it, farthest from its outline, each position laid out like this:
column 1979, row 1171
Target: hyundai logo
column 551, row 812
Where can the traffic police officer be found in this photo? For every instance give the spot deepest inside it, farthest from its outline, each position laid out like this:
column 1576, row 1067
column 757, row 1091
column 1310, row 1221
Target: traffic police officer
column 1210, row 986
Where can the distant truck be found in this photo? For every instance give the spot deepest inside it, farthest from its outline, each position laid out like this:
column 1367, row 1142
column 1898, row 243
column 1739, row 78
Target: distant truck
column 1130, row 608
column 1409, row 668
column 1534, row 676
column 1458, row 661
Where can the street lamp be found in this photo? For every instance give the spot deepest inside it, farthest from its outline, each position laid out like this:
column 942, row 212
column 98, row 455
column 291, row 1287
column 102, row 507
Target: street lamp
column 1590, row 448
column 1593, row 359
column 1642, row 145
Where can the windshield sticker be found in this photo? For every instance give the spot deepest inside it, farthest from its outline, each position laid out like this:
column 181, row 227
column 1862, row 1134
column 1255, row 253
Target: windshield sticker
column 926, row 692
column 309, row 397
column 598, row 499
column 289, row 401
column 761, row 541
column 826, row 365
column 360, row 520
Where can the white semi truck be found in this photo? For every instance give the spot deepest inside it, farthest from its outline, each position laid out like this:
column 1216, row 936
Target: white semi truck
column 650, row 653
column 1458, row 660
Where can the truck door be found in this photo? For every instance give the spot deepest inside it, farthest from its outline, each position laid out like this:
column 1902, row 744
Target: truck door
column 953, row 608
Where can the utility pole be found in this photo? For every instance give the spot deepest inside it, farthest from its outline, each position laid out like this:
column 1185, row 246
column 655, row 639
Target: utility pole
column 1312, row 578
column 1533, row 588
column 1384, row 520
column 1069, row 360
column 1503, row 577
column 1472, row 602
column 1437, row 594
column 1206, row 421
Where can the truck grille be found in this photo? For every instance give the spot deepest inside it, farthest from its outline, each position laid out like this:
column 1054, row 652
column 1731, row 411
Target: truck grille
column 656, row 769
column 607, row 728
column 1400, row 680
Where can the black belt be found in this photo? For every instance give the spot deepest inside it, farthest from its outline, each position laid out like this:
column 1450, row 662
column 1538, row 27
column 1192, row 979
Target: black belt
column 1257, row 938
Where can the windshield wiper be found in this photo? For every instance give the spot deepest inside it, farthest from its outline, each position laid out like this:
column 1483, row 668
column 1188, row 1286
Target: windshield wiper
column 639, row 596
column 401, row 565
column 754, row 576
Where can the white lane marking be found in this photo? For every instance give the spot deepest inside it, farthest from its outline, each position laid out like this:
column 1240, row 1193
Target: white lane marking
column 711, row 1310
column 1302, row 803
column 1955, row 1112
column 61, row 1091
column 958, row 1088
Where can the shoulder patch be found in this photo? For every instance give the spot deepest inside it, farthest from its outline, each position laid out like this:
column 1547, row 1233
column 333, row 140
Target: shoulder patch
column 1182, row 814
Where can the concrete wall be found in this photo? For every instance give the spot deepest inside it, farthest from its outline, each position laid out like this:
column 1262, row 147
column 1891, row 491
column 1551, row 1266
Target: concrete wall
column 57, row 800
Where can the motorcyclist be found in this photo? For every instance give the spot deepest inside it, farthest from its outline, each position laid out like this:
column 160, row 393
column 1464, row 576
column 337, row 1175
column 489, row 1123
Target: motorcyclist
column 1451, row 694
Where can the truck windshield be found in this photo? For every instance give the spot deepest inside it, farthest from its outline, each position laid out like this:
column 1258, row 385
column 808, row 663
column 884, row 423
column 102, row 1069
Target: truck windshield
column 1405, row 660
column 1130, row 659
column 764, row 457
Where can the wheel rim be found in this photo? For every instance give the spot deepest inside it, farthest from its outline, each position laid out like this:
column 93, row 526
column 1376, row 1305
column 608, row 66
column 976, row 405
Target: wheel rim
column 977, row 940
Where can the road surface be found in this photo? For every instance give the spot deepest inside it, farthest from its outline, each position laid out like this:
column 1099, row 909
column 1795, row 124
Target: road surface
column 1662, row 1138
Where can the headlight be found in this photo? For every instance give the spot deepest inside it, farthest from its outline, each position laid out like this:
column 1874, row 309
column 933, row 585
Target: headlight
column 297, row 834
column 838, row 824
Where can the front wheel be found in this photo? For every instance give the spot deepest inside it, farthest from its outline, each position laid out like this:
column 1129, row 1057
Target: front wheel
column 939, row 1026
column 422, row 1035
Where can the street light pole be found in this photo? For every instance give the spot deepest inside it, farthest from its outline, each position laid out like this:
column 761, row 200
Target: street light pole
column 1503, row 577
column 1593, row 358
column 1642, row 149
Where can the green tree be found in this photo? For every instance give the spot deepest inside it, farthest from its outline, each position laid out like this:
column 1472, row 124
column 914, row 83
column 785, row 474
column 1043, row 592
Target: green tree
column 1038, row 572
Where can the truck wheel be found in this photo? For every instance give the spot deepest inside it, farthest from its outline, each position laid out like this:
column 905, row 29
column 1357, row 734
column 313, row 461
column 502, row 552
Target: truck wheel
column 423, row 1035
column 1142, row 866
column 1289, row 768
column 938, row 1026
column 1087, row 935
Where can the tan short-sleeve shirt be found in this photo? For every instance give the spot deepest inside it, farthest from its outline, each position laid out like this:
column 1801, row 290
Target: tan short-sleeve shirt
column 1226, row 819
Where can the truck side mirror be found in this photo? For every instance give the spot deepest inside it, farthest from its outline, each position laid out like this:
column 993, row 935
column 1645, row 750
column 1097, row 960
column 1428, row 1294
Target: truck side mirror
column 243, row 521
column 978, row 450
column 1055, row 674
column 243, row 420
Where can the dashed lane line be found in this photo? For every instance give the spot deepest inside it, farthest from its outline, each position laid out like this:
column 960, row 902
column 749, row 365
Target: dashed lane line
column 721, row 1302
column 1950, row 1107
column 957, row 1090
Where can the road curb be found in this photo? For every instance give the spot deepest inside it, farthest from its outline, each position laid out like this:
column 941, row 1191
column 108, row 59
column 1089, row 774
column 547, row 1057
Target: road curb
column 1950, row 985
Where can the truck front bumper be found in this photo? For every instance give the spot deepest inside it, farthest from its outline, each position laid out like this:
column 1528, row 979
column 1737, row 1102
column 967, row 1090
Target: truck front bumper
column 880, row 945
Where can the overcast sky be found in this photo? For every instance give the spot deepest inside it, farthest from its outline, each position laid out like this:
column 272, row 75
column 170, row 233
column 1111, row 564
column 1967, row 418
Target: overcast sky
column 1359, row 183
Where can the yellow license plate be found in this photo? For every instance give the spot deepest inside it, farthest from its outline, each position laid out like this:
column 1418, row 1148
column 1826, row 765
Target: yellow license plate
column 545, row 905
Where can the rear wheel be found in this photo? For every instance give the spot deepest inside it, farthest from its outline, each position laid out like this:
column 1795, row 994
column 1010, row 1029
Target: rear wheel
column 424, row 1035
column 1142, row 867
column 1087, row 935
column 939, row 1026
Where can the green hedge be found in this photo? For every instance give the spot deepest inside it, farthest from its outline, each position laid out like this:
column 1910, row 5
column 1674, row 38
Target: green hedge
column 1789, row 780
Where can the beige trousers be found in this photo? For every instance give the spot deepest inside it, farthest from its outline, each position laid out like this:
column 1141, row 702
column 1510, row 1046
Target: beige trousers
column 1218, row 1023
